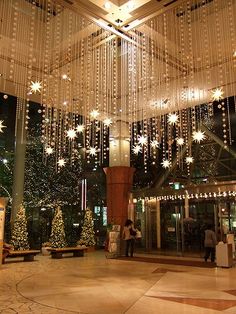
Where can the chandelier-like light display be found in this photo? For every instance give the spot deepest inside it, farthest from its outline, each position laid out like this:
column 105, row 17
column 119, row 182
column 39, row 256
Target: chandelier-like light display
column 89, row 80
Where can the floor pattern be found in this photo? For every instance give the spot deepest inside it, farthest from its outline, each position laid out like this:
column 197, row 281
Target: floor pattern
column 96, row 285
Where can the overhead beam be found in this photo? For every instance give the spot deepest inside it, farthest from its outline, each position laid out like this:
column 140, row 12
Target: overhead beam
column 215, row 138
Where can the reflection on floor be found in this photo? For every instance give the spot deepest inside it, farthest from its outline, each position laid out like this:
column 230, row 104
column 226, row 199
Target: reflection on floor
column 94, row 284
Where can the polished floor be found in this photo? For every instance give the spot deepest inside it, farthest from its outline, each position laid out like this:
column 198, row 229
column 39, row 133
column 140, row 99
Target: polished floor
column 95, row 284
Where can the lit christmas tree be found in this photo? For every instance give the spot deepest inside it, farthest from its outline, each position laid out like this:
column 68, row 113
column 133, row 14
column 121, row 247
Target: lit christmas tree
column 19, row 238
column 57, row 238
column 87, row 234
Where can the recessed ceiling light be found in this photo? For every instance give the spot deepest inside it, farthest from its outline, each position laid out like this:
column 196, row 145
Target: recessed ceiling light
column 107, row 5
column 130, row 5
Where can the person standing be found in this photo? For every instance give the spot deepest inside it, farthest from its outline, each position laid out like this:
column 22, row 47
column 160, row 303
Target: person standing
column 210, row 243
column 128, row 235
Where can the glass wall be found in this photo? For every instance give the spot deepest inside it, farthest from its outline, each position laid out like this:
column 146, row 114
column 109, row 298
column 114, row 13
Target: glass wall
column 180, row 232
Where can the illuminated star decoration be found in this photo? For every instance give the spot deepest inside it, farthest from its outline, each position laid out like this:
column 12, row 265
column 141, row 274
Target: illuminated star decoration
column 217, row 94
column 94, row 114
column 142, row 140
column 92, row 151
column 80, row 128
column 189, row 160
column 180, row 141
column 49, row 150
column 61, row 162
column 35, row 87
column 71, row 134
column 155, row 144
column 173, row 118
column 198, row 136
column 1, row 126
column 136, row 149
column 107, row 122
column 166, row 163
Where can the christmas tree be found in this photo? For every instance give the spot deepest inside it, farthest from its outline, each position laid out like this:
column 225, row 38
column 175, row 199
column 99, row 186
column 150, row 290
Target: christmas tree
column 57, row 238
column 87, row 234
column 19, row 238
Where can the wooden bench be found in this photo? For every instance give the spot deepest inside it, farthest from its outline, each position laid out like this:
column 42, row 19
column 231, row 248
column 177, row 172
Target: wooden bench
column 58, row 253
column 27, row 254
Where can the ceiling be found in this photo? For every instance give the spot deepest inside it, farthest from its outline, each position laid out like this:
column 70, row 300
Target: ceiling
column 185, row 51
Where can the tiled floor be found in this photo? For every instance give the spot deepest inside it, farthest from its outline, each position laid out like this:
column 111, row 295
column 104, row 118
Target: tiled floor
column 94, row 284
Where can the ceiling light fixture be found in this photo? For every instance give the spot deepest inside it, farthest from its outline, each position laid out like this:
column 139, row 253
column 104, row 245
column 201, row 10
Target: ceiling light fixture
column 107, row 5
column 130, row 5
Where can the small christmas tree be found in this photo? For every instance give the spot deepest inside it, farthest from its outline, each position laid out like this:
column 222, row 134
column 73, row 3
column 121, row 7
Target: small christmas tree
column 87, row 234
column 19, row 238
column 57, row 238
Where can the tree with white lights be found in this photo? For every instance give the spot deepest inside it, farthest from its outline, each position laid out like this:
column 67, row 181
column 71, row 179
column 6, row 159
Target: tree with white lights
column 19, row 237
column 87, row 237
column 57, row 238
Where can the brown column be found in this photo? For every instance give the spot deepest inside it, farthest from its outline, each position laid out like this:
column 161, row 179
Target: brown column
column 119, row 184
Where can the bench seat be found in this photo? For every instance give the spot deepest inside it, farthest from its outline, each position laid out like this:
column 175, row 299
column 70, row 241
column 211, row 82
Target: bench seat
column 27, row 254
column 58, row 252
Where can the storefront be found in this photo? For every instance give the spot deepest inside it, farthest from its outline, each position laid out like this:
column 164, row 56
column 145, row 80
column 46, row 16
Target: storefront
column 175, row 223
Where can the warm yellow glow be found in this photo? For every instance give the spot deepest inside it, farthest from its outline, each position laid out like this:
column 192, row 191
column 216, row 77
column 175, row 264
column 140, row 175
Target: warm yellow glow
column 189, row 160
column 61, row 162
column 80, row 128
column 71, row 133
column 1, row 126
column 198, row 136
column 49, row 150
column 180, row 141
column 217, row 94
column 35, row 87
column 94, row 114
column 107, row 122
column 166, row 163
column 173, row 118
column 137, row 149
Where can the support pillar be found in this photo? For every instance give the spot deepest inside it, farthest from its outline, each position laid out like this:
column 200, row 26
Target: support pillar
column 19, row 162
column 119, row 184
column 158, row 211
column 186, row 206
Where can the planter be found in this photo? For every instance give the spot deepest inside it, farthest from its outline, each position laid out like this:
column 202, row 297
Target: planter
column 45, row 251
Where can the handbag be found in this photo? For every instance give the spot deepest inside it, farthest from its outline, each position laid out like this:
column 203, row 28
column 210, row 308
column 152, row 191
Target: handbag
column 132, row 232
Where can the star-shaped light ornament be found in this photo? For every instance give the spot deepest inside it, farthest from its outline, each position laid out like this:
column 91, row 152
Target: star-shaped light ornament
column 136, row 149
column 172, row 118
column 142, row 140
column 92, row 151
column 2, row 126
column 180, row 141
column 217, row 94
column 80, row 128
column 198, row 136
column 155, row 144
column 166, row 163
column 71, row 134
column 61, row 162
column 94, row 114
column 107, row 122
column 49, row 150
column 189, row 160
column 35, row 87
